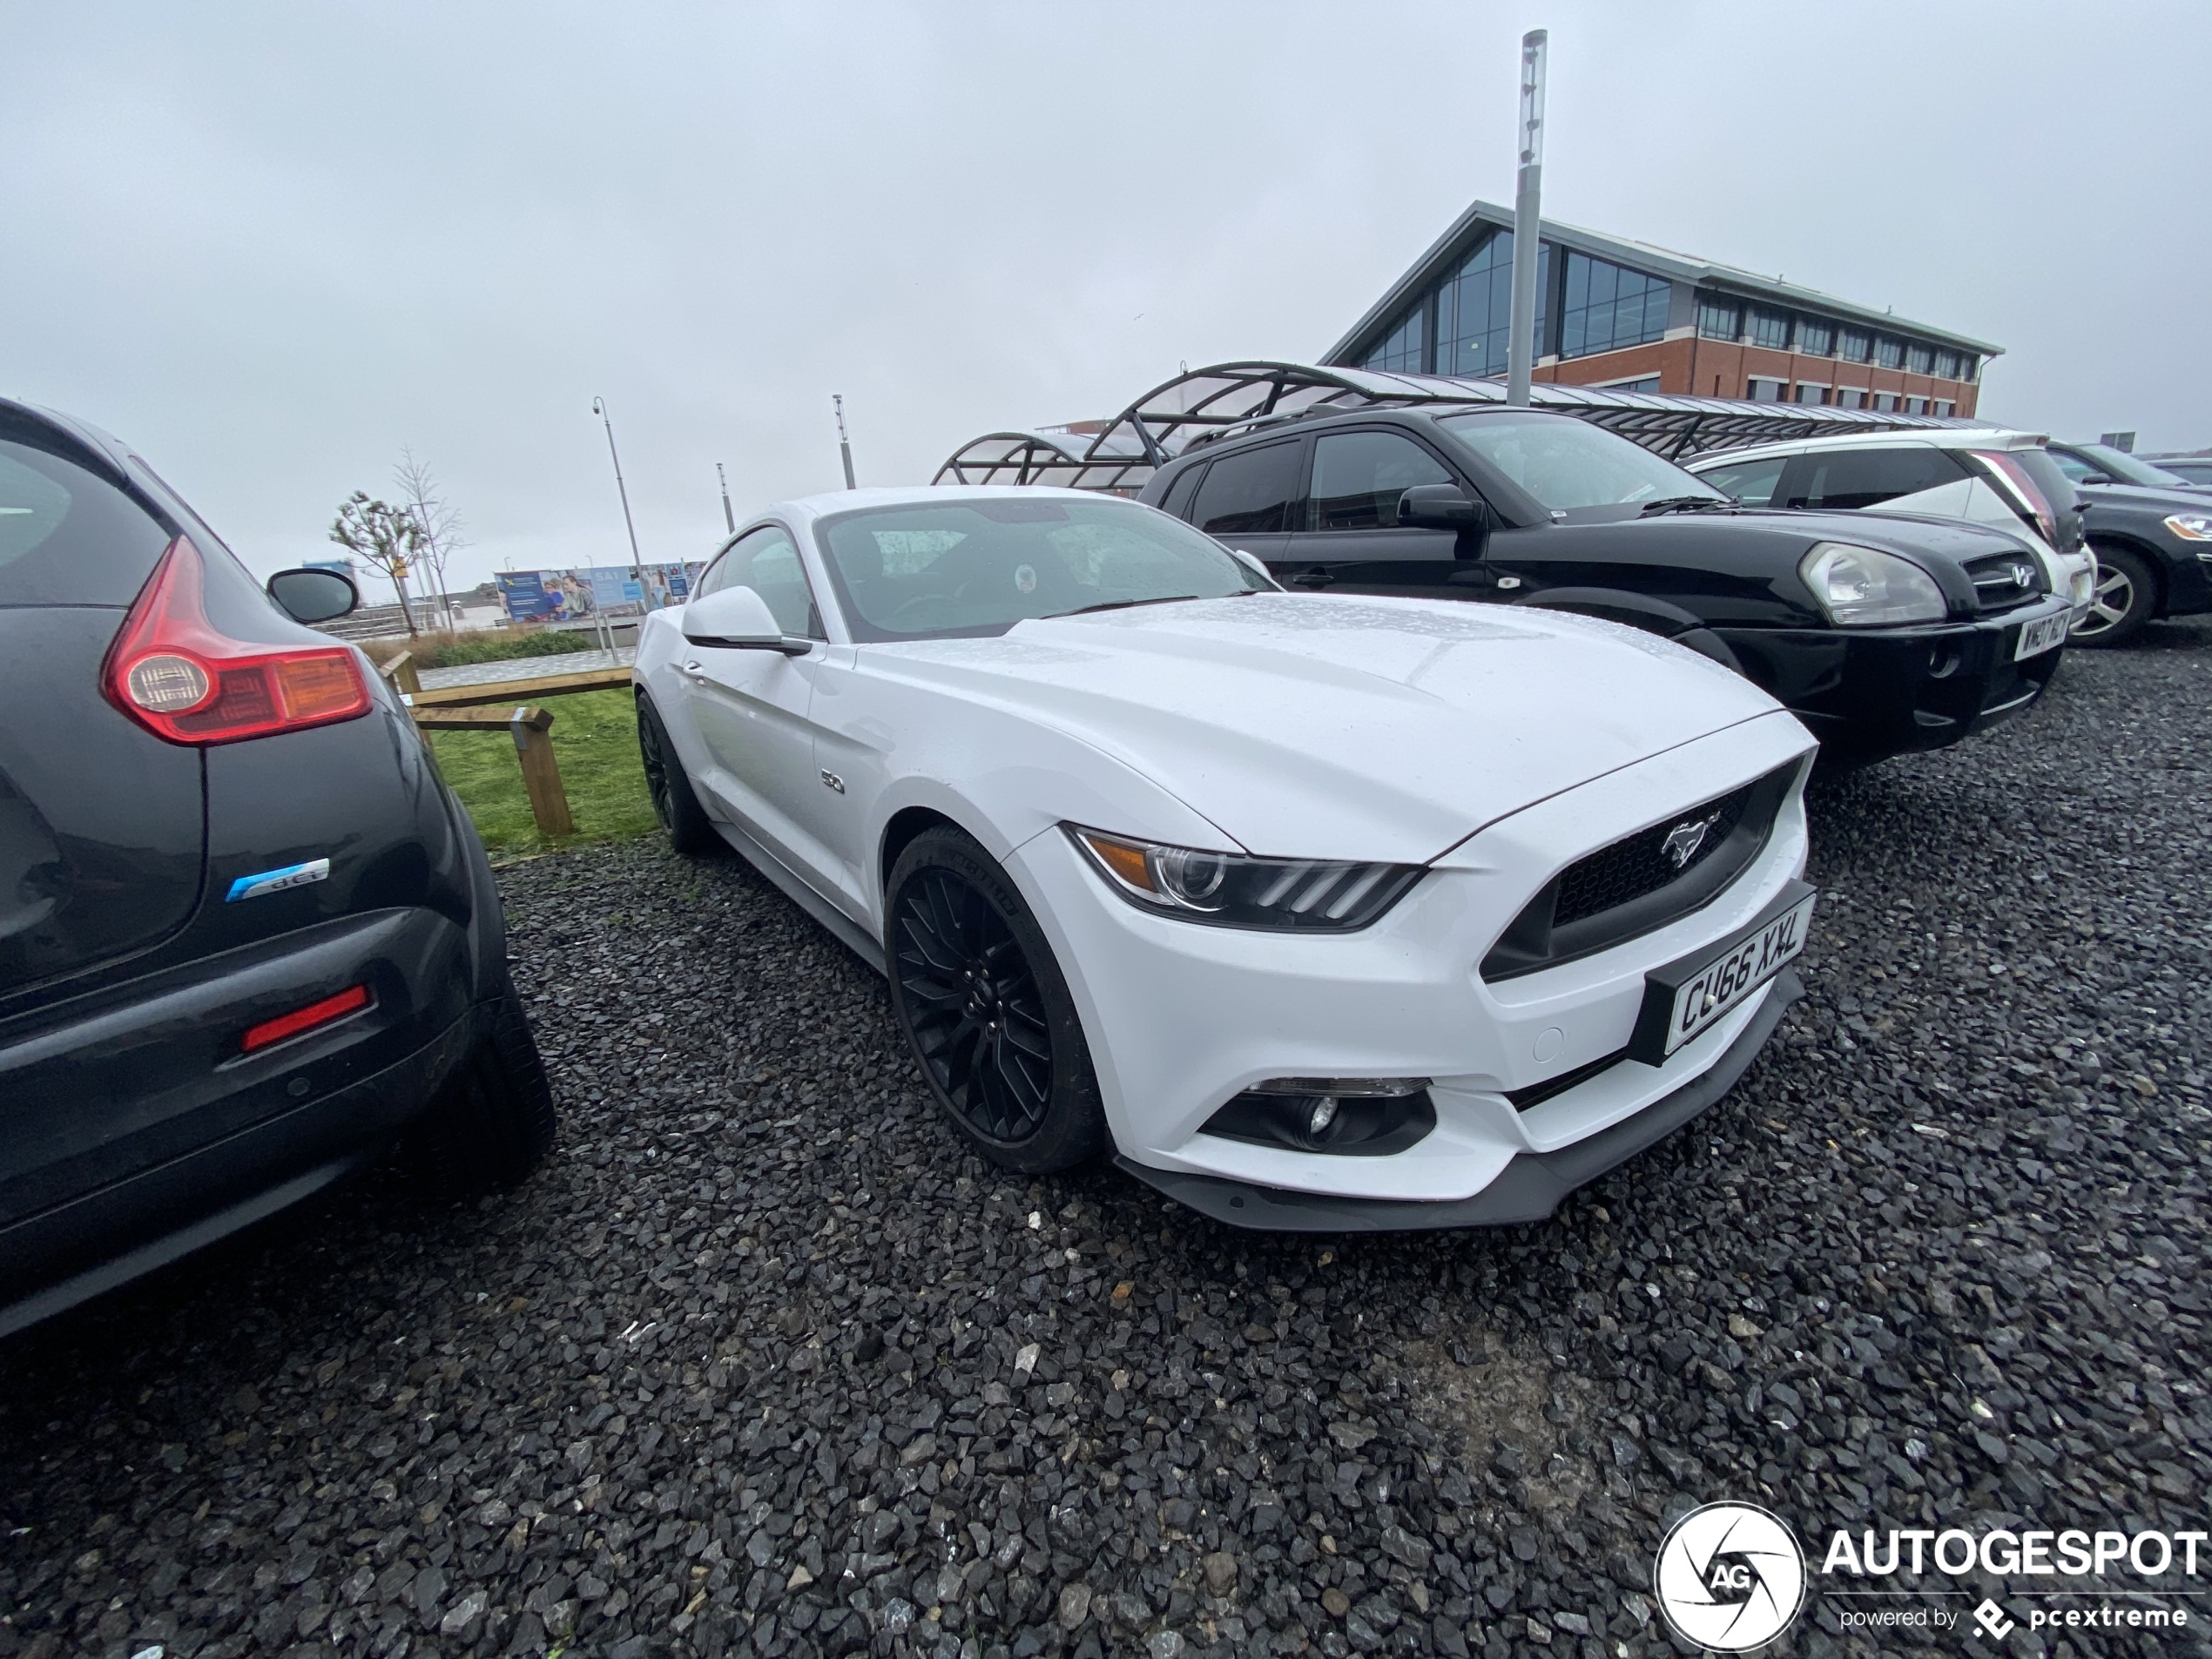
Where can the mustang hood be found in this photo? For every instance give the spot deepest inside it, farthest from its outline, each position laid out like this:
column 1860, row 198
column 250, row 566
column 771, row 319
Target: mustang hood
column 1362, row 728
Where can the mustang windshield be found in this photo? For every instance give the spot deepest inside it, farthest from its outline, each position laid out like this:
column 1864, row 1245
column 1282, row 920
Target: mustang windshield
column 1568, row 464
column 964, row 568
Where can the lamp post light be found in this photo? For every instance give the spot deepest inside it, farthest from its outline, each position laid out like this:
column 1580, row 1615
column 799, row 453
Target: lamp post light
column 844, row 448
column 637, row 564
column 1528, row 226
column 729, row 518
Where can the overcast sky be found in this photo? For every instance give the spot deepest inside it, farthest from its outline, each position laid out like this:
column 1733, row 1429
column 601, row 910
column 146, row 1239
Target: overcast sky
column 272, row 245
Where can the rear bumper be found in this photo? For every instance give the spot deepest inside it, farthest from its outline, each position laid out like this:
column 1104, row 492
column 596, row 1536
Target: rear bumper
column 1528, row 1188
column 1872, row 692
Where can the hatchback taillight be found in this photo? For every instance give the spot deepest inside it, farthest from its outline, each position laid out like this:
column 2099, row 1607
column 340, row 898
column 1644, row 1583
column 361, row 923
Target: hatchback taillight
column 2026, row 496
column 171, row 671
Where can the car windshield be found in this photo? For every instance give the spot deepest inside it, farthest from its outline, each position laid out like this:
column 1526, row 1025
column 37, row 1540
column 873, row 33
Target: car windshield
column 1566, row 464
column 2128, row 469
column 965, row 567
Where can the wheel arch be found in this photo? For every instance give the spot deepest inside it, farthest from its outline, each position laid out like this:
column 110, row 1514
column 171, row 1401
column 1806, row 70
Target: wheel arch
column 1643, row 612
column 2155, row 561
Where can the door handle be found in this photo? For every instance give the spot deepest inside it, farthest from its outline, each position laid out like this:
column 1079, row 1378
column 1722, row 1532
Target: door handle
column 1312, row 579
column 694, row 668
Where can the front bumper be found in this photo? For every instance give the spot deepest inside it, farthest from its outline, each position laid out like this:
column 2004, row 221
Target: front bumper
column 1866, row 693
column 1183, row 1018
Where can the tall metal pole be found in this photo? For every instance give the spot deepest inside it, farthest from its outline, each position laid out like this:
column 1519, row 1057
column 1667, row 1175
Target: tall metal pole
column 637, row 564
column 1528, row 226
column 729, row 518
column 844, row 448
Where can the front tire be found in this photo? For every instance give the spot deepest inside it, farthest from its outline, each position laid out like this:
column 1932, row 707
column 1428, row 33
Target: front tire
column 493, row 1122
column 986, row 1010
column 2125, row 595
column 675, row 803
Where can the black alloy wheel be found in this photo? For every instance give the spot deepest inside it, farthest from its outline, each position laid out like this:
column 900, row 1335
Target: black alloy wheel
column 2125, row 592
column 675, row 804
column 986, row 1010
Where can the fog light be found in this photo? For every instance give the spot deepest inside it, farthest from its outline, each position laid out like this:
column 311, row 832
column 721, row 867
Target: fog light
column 1354, row 1117
column 1322, row 1114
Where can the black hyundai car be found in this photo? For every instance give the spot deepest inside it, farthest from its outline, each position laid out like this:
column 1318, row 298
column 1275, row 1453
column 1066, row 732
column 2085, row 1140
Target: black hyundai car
column 1881, row 636
column 248, row 939
column 2151, row 530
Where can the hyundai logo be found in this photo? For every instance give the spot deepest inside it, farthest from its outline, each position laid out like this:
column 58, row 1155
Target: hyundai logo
column 1683, row 840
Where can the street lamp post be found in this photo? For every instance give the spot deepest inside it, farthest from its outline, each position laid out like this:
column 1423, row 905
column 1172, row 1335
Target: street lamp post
column 637, row 564
column 729, row 518
column 1528, row 225
column 844, row 448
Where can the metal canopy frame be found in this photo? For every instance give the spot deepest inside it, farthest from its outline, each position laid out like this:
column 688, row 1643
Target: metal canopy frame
column 1227, row 398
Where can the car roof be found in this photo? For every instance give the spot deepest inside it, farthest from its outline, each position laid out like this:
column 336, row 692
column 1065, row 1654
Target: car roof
column 1926, row 437
column 809, row 508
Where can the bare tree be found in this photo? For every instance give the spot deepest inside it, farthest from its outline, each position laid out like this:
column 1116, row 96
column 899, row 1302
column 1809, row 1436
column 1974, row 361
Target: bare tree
column 387, row 537
column 438, row 521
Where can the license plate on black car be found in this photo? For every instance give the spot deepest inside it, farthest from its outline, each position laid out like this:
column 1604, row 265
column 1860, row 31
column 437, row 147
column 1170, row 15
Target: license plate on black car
column 1687, row 998
column 2036, row 638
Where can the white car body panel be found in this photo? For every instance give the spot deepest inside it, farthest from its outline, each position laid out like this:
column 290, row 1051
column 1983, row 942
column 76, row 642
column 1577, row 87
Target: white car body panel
column 1494, row 745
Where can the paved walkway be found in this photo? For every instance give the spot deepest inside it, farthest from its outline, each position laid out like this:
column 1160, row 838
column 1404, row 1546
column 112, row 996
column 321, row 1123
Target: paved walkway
column 526, row 668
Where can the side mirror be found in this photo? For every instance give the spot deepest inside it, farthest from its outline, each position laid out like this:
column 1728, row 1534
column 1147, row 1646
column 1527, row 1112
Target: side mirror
column 308, row 595
column 1440, row 507
column 738, row 618
column 1253, row 562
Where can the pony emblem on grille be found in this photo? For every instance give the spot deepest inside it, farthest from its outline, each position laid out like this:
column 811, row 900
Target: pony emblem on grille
column 1683, row 840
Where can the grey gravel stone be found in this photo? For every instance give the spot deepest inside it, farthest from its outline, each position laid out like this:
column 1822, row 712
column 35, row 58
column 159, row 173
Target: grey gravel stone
column 762, row 1363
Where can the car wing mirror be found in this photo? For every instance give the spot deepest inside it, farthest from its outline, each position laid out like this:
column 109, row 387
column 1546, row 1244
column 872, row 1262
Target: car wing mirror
column 310, row 596
column 738, row 618
column 1440, row 507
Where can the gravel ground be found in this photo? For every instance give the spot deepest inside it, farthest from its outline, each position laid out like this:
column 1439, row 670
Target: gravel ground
column 760, row 1364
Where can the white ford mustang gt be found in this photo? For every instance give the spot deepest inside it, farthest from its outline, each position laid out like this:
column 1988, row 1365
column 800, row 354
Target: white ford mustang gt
column 1321, row 912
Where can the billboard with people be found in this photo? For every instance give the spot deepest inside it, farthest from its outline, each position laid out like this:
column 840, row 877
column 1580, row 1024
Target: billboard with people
column 593, row 590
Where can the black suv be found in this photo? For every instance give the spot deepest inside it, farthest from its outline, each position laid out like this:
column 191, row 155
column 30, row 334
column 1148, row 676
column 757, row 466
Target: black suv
column 1881, row 636
column 2151, row 530
column 248, row 939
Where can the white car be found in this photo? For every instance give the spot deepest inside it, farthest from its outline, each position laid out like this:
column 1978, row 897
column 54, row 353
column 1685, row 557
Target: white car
column 1983, row 474
column 1318, row 912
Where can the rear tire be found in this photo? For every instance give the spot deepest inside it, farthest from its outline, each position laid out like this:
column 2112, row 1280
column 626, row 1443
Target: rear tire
column 986, row 1010
column 2125, row 594
column 675, row 803
column 493, row 1122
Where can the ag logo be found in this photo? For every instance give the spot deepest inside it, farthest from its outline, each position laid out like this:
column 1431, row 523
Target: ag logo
column 1730, row 1577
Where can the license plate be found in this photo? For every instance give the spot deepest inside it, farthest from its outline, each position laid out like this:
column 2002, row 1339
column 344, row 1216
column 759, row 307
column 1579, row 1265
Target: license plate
column 2036, row 638
column 1690, row 996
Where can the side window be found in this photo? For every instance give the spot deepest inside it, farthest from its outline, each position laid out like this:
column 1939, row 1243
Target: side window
column 2075, row 467
column 716, row 576
column 1178, row 500
column 767, row 563
column 1248, row 494
column 1752, row 482
column 1357, row 477
column 1852, row 478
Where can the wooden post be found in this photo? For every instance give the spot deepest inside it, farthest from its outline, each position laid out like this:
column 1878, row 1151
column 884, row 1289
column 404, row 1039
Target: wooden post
column 541, row 772
column 401, row 671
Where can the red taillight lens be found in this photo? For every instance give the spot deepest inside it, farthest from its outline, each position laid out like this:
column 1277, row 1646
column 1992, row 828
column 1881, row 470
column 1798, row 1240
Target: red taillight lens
column 2028, row 499
column 171, row 671
column 349, row 1000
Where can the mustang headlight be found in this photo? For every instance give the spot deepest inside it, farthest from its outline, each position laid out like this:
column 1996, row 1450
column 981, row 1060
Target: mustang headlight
column 1233, row 890
column 2191, row 527
column 1863, row 587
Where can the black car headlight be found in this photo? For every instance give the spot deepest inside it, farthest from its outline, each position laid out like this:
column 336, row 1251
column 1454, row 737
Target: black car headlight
column 1235, row 890
column 1863, row 587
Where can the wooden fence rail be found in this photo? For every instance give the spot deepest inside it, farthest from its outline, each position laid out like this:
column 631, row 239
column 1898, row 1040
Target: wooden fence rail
column 532, row 728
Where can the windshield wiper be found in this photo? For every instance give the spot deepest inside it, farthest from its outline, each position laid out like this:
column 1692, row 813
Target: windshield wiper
column 1124, row 605
column 1686, row 504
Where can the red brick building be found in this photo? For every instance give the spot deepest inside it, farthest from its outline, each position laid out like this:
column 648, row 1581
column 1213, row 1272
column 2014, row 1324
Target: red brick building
column 1637, row 318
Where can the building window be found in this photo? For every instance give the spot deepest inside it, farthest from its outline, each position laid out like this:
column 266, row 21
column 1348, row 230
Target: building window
column 1719, row 319
column 1810, row 394
column 1945, row 407
column 1969, row 366
column 1641, row 383
column 1770, row 328
column 1885, row 401
column 1857, row 345
column 1946, row 365
column 1850, row 397
column 1816, row 339
column 1400, row 351
column 1474, row 310
column 1765, row 391
column 1608, row 306
column 1889, row 354
column 1921, row 359
column 1916, row 406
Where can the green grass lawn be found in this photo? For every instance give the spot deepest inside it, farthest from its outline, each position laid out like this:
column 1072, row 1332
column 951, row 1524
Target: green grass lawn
column 595, row 739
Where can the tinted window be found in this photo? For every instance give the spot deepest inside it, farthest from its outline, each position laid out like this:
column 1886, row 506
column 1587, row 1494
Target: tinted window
column 2193, row 472
column 1248, row 492
column 1816, row 339
column 1751, row 482
column 1609, row 306
column 1357, row 477
column 1566, row 463
column 1718, row 319
column 930, row 569
column 67, row 535
column 1865, row 477
column 2118, row 464
column 1475, row 304
column 1889, row 353
column 1770, row 328
column 1855, row 346
column 1178, row 500
column 1402, row 349
column 767, row 562
column 1922, row 359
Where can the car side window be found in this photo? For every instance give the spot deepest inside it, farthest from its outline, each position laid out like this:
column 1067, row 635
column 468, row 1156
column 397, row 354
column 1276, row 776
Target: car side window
column 1176, row 502
column 1248, row 492
column 1752, row 482
column 2075, row 467
column 1359, row 476
column 767, row 562
column 1849, row 478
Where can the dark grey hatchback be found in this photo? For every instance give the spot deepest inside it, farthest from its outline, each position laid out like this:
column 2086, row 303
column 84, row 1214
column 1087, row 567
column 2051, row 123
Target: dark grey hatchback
column 248, row 939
